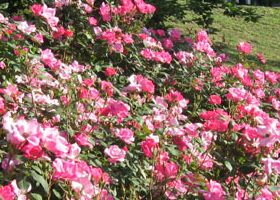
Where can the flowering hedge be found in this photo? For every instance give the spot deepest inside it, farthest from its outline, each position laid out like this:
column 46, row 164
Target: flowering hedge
column 94, row 106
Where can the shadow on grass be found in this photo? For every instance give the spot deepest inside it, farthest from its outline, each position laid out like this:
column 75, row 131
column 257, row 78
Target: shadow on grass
column 234, row 58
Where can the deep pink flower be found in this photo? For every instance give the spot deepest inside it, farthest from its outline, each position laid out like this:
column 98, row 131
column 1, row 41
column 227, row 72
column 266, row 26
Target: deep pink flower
column 7, row 192
column 215, row 100
column 167, row 43
column 110, row 71
column 174, row 96
column 115, row 154
column 244, row 47
column 105, row 12
column 32, row 152
column 144, row 7
column 83, row 139
column 149, row 145
column 37, row 9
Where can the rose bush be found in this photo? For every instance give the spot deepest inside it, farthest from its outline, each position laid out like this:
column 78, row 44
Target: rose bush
column 94, row 106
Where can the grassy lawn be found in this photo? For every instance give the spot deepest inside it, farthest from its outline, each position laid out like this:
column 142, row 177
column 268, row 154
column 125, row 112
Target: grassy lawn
column 263, row 35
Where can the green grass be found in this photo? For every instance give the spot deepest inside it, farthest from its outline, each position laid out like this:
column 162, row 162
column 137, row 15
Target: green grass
column 263, row 35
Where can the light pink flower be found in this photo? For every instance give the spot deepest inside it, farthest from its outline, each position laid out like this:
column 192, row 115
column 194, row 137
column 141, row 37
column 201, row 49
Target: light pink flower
column 125, row 135
column 26, row 28
column 271, row 165
column 2, row 65
column 115, row 154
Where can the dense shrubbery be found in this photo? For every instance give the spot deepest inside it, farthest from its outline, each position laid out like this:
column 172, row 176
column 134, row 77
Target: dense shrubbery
column 93, row 106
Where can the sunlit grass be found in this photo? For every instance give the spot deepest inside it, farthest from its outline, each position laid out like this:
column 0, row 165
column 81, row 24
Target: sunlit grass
column 263, row 35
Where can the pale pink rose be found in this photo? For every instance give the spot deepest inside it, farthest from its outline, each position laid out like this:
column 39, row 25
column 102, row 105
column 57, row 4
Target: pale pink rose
column 271, row 165
column 125, row 135
column 215, row 191
column 26, row 28
column 115, row 154
column 244, row 47
column 2, row 65
column 87, row 8
column 237, row 94
column 3, row 19
column 74, row 151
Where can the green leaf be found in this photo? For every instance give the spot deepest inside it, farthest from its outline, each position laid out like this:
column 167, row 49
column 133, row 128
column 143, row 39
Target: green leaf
column 36, row 196
column 274, row 188
column 57, row 194
column 228, row 165
column 40, row 179
column 24, row 185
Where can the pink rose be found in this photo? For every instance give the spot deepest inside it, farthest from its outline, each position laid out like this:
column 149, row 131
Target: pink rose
column 215, row 191
column 149, row 145
column 168, row 44
column 7, row 192
column 105, row 12
column 110, row 71
column 215, row 100
column 2, row 65
column 92, row 21
column 125, row 135
column 261, row 58
column 83, row 140
column 115, row 154
column 244, row 47
column 37, row 9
